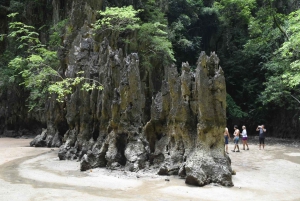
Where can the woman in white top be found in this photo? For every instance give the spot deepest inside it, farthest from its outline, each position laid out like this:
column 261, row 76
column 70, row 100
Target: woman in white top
column 244, row 137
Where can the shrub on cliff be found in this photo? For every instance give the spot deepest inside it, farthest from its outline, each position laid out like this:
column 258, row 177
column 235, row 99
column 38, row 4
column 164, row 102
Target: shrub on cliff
column 152, row 35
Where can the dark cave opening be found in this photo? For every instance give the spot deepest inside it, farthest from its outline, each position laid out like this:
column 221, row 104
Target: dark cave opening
column 95, row 133
column 62, row 127
column 158, row 136
column 121, row 144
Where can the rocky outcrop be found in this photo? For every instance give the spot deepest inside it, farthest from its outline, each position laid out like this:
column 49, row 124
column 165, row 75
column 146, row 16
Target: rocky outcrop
column 187, row 119
column 180, row 135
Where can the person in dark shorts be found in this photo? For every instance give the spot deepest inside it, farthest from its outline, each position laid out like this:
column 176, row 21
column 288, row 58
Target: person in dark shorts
column 262, row 132
column 236, row 139
column 227, row 137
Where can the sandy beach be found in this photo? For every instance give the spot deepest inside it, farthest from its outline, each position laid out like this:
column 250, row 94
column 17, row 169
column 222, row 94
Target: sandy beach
column 34, row 174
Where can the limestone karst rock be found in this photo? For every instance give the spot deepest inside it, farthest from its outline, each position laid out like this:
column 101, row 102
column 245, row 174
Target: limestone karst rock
column 108, row 128
column 144, row 117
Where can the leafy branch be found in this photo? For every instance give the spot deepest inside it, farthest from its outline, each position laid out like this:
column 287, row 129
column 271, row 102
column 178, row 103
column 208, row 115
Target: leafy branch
column 65, row 86
column 37, row 70
column 118, row 19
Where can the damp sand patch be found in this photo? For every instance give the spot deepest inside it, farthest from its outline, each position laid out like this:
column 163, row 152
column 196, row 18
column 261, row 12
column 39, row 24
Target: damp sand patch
column 293, row 154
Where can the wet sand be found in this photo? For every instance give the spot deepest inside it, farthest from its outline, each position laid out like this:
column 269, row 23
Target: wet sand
column 33, row 174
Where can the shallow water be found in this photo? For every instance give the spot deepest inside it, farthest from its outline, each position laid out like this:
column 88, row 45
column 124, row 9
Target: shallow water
column 33, row 174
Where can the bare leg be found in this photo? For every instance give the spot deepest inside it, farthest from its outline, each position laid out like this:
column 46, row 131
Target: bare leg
column 263, row 146
column 243, row 144
column 247, row 144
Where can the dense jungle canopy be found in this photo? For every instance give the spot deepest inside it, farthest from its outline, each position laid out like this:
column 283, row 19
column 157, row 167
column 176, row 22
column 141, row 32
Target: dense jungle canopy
column 257, row 42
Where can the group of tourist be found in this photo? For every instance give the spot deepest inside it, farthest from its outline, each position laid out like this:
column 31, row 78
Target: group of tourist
column 236, row 138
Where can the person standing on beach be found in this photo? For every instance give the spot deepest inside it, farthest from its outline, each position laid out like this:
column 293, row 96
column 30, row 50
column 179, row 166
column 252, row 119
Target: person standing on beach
column 244, row 138
column 227, row 137
column 236, row 139
column 262, row 132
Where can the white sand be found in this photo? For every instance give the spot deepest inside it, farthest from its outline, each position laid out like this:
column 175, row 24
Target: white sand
column 33, row 174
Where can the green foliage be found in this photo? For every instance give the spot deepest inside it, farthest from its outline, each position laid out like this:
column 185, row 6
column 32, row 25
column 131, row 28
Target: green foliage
column 57, row 31
column 24, row 34
column 185, row 10
column 284, row 66
column 264, row 38
column 257, row 54
column 35, row 73
column 187, row 28
column 233, row 110
column 118, row 19
column 152, row 35
column 153, row 12
column 234, row 9
column 66, row 86
column 290, row 51
column 16, row 6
